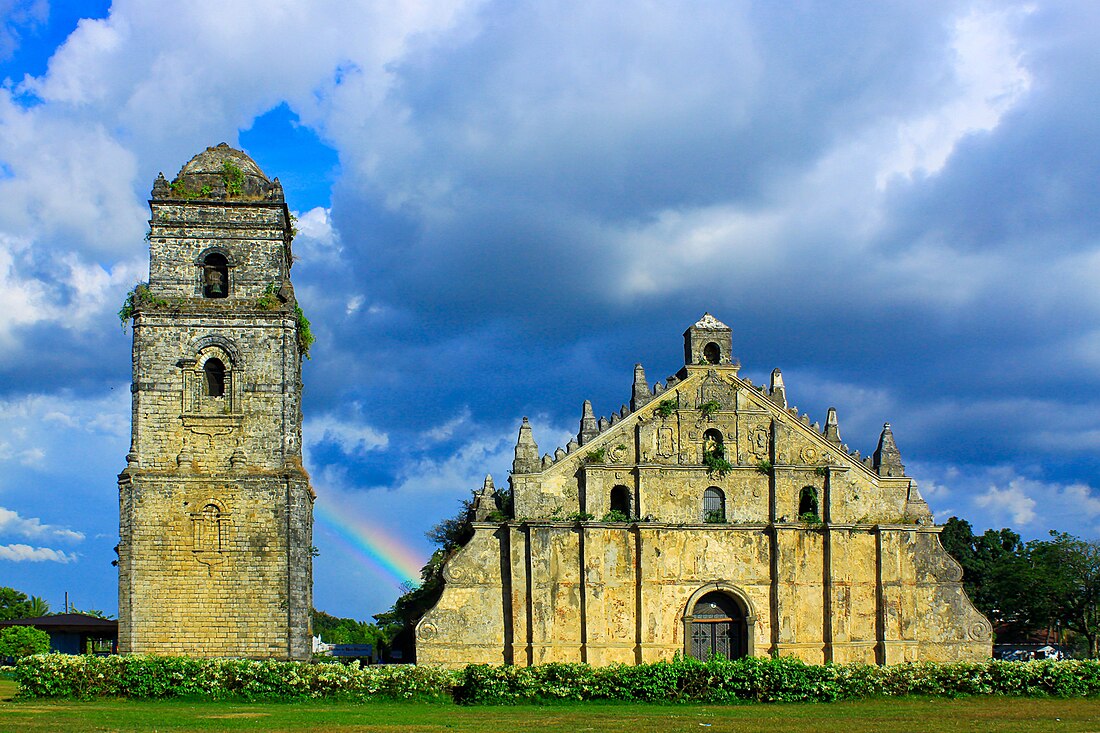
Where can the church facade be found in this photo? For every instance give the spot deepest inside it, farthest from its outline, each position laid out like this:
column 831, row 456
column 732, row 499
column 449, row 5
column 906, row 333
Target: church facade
column 706, row 517
column 215, row 507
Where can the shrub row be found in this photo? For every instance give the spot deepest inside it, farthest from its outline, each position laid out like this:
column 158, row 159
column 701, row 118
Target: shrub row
column 772, row 680
column 146, row 677
column 682, row 680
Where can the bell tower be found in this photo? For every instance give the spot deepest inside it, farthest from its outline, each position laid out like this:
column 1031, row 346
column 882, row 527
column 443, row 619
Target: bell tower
column 215, row 507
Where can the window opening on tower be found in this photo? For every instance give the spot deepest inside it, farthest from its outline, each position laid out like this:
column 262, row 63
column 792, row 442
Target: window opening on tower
column 215, row 276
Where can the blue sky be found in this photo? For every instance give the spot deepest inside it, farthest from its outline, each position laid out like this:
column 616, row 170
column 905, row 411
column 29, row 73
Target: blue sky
column 505, row 205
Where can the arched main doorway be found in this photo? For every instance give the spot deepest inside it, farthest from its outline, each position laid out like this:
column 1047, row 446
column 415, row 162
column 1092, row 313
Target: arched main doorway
column 717, row 625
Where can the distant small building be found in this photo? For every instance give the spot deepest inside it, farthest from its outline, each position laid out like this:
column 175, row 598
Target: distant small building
column 74, row 633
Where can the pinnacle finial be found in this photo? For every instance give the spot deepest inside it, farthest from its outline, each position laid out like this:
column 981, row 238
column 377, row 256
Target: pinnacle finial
column 527, row 451
column 639, row 394
column 778, row 391
column 832, row 427
column 887, row 458
column 589, row 427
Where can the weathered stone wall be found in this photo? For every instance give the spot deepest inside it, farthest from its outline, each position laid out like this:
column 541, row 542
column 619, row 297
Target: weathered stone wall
column 216, row 514
column 605, row 593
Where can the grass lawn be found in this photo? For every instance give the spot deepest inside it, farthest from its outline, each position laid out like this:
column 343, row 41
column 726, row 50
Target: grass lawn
column 875, row 716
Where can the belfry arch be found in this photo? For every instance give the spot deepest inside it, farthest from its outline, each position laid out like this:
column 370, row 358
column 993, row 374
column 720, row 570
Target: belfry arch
column 719, row 619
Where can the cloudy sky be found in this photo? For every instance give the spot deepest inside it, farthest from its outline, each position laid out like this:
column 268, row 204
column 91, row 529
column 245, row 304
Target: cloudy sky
column 505, row 205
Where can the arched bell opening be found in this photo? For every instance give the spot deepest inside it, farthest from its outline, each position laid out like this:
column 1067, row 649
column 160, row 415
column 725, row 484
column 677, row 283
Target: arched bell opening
column 215, row 276
column 712, row 353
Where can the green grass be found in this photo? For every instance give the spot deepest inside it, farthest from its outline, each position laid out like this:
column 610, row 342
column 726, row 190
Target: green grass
column 873, row 716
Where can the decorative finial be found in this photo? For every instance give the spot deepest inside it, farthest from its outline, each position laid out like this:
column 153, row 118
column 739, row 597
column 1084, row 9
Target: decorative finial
column 832, row 427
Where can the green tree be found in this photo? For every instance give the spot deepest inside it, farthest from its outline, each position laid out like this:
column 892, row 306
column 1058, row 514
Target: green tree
column 22, row 641
column 13, row 604
column 1066, row 584
column 335, row 630
column 38, row 607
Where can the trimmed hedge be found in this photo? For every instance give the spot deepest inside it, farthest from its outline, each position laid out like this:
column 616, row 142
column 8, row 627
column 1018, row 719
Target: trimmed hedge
column 148, row 677
column 682, row 680
column 772, row 680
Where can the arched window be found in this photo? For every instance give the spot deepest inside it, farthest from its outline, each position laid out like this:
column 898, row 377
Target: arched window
column 714, row 505
column 620, row 500
column 712, row 352
column 807, row 504
column 214, row 378
column 215, row 276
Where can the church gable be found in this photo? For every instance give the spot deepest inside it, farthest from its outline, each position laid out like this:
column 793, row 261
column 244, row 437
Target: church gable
column 707, row 446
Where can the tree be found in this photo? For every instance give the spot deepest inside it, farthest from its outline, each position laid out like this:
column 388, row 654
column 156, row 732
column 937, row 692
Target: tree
column 22, row 641
column 1067, row 583
column 38, row 607
column 335, row 630
column 13, row 604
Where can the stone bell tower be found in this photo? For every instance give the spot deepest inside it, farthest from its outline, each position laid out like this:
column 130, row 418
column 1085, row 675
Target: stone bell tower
column 216, row 510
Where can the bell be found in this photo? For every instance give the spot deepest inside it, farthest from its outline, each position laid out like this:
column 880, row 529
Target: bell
column 214, row 283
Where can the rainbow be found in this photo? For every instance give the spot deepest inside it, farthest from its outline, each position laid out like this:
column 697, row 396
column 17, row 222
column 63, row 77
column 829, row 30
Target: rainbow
column 371, row 544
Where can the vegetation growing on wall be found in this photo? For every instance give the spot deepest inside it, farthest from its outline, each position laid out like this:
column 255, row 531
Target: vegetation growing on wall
column 715, row 460
column 710, row 408
column 233, row 177
column 139, row 296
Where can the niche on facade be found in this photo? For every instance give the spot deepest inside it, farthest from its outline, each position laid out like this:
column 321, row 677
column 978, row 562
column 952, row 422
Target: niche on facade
column 210, row 533
column 807, row 505
column 619, row 501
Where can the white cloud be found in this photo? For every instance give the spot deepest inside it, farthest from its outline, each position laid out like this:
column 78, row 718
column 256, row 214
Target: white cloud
column 354, row 438
column 39, row 427
column 447, row 430
column 1012, row 501
column 1010, row 496
column 14, row 16
column 26, row 553
column 32, row 527
column 317, row 239
column 989, row 80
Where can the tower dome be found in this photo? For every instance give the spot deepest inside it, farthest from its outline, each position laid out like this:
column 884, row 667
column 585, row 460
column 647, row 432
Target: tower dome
column 220, row 173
